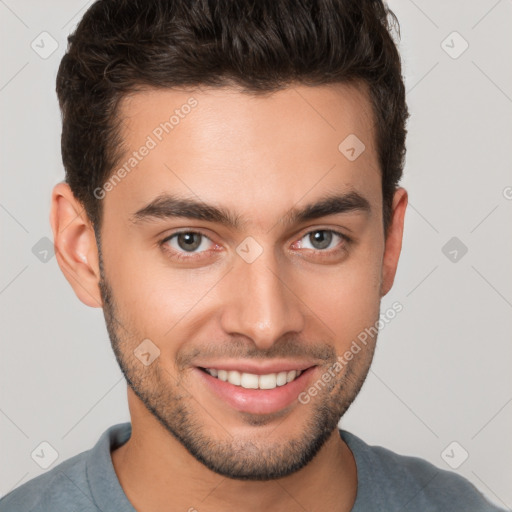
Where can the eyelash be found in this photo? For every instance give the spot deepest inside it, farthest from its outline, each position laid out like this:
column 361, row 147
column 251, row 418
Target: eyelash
column 183, row 256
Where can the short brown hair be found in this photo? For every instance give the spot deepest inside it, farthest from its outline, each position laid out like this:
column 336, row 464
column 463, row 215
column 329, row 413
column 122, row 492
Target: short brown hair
column 121, row 46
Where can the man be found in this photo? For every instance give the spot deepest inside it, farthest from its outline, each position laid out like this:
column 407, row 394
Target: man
column 232, row 203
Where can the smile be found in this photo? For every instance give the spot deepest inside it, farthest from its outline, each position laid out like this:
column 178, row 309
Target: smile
column 256, row 393
column 253, row 381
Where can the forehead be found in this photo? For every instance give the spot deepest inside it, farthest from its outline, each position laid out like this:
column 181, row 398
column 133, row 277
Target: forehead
column 229, row 111
column 224, row 145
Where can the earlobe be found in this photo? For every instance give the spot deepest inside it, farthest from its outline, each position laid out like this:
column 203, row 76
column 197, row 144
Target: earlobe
column 75, row 245
column 393, row 243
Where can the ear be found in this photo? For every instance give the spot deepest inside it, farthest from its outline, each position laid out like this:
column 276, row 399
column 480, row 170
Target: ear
column 75, row 245
column 394, row 240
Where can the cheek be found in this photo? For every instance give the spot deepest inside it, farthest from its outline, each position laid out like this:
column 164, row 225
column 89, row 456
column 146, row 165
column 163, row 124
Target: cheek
column 152, row 296
column 348, row 299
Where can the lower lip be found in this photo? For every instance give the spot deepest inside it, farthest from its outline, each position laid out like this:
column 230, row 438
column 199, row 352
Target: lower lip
column 258, row 401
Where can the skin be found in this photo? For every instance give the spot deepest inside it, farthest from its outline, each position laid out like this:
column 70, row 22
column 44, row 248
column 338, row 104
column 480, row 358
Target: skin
column 258, row 157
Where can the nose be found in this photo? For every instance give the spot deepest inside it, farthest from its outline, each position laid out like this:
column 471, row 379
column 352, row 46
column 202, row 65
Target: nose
column 261, row 302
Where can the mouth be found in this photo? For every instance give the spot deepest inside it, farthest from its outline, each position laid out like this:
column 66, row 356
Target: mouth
column 252, row 380
column 256, row 393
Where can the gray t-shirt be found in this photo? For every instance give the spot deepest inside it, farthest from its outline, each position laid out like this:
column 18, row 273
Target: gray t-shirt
column 387, row 482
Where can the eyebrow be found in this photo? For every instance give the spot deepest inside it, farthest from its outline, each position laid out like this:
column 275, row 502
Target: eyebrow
column 167, row 206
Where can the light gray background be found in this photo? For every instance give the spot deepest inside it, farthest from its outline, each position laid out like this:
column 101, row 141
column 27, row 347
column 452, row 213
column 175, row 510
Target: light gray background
column 442, row 367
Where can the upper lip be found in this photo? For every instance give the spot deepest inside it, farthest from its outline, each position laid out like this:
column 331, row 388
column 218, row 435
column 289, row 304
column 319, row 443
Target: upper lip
column 258, row 369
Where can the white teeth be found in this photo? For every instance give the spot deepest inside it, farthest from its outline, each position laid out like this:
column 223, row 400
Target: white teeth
column 249, row 381
column 268, row 381
column 291, row 375
column 234, row 377
column 281, row 378
column 253, row 381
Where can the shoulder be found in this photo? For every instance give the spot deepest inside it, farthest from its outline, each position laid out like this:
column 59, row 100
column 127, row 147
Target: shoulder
column 54, row 490
column 401, row 482
column 77, row 483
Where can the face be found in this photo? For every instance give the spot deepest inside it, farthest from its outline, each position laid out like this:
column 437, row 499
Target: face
column 244, row 241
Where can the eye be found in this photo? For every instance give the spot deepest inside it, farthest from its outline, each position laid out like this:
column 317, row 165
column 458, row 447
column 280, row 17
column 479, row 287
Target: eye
column 183, row 242
column 322, row 239
column 189, row 245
